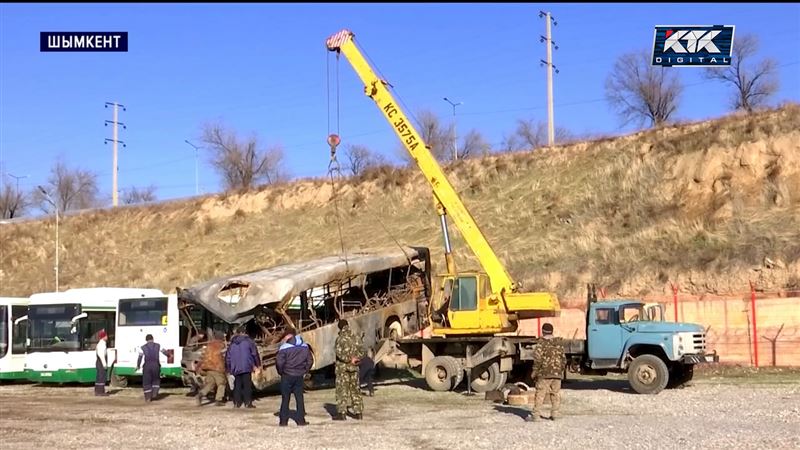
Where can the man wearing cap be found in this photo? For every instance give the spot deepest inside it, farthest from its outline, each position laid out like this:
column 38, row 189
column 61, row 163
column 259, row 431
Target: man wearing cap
column 151, row 371
column 349, row 351
column 101, row 364
column 549, row 361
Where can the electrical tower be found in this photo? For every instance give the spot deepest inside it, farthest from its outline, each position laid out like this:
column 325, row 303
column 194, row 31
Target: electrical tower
column 115, row 141
column 548, row 40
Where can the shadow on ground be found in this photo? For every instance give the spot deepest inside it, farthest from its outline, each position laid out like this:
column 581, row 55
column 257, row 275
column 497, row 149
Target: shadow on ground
column 596, row 385
column 513, row 410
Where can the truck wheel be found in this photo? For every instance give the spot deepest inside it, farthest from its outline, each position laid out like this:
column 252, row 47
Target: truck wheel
column 648, row 374
column 440, row 374
column 489, row 380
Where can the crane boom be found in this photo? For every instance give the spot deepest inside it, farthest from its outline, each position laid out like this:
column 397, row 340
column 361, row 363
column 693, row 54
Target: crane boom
column 474, row 309
column 442, row 189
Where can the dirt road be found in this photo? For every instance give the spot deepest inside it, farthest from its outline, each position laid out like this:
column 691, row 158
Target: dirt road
column 739, row 412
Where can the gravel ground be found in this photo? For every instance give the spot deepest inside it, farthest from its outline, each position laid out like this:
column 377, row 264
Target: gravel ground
column 715, row 412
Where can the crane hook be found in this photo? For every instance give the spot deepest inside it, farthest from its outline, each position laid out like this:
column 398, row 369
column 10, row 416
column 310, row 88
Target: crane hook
column 333, row 141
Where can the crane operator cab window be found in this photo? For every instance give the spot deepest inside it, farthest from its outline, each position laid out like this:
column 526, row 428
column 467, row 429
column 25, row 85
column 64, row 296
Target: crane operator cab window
column 464, row 296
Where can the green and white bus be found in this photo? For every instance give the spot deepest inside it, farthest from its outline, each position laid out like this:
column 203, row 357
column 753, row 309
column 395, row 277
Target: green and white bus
column 136, row 318
column 63, row 331
column 13, row 332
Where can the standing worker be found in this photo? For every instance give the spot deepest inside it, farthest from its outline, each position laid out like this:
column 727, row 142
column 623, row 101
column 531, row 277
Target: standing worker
column 293, row 362
column 101, row 364
column 151, row 371
column 549, row 361
column 212, row 367
column 349, row 351
column 366, row 370
column 240, row 361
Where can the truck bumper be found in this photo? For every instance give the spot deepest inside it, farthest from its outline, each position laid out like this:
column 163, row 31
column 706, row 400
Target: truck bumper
column 697, row 359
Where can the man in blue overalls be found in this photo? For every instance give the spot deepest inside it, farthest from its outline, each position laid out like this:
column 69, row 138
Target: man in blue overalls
column 151, row 371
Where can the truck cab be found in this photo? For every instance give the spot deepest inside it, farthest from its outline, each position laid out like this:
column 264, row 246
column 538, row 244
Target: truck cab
column 631, row 336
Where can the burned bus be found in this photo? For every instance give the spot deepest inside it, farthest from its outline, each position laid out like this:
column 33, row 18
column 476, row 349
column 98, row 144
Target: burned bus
column 383, row 293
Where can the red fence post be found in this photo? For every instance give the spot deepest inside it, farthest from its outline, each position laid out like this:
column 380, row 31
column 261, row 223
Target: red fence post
column 675, row 299
column 539, row 327
column 755, row 330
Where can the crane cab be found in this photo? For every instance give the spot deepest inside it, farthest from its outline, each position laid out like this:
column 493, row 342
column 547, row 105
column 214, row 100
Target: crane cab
column 464, row 304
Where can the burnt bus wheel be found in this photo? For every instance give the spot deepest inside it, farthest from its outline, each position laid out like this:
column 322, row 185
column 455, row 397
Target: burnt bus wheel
column 394, row 330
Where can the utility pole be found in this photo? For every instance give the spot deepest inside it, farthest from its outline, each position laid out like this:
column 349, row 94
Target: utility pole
column 455, row 135
column 551, row 135
column 196, row 178
column 115, row 141
column 55, row 207
column 17, row 178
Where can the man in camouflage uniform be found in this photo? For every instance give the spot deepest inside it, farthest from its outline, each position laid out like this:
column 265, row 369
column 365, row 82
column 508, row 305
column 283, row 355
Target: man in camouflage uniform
column 549, row 361
column 349, row 351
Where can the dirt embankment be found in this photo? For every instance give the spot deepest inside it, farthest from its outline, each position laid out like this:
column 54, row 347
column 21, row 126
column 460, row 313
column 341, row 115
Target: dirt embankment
column 708, row 206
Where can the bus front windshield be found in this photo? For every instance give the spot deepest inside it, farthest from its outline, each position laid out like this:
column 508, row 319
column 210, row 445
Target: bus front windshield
column 52, row 329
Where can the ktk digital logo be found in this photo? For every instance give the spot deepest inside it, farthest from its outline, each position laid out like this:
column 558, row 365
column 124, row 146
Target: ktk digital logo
column 693, row 45
column 83, row 41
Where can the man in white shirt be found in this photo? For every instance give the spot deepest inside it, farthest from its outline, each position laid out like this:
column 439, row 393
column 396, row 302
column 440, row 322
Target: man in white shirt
column 101, row 364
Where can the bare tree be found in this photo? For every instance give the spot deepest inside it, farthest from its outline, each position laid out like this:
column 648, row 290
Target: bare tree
column 69, row 188
column 437, row 136
column 531, row 134
column 754, row 83
column 139, row 195
column 473, row 144
column 641, row 92
column 361, row 158
column 240, row 162
column 13, row 202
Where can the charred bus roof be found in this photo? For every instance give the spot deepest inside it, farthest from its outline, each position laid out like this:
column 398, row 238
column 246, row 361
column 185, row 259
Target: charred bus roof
column 235, row 298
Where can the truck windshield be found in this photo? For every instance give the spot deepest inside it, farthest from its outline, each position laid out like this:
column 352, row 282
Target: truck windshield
column 143, row 311
column 633, row 313
column 51, row 327
column 3, row 330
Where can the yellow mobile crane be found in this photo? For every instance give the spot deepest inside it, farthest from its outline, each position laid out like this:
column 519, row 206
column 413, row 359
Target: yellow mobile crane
column 483, row 306
column 477, row 303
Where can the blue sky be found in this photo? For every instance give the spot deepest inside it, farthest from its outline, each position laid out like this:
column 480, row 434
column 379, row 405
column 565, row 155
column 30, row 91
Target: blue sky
column 261, row 68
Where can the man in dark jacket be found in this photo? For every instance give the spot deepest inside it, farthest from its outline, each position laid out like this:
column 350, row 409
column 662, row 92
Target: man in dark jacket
column 293, row 362
column 240, row 361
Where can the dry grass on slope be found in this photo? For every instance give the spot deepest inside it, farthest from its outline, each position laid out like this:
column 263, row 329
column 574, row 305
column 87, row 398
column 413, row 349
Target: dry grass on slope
column 707, row 201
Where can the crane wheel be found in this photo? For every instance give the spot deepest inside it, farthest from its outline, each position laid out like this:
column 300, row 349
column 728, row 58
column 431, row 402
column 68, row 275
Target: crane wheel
column 441, row 373
column 490, row 379
column 456, row 370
